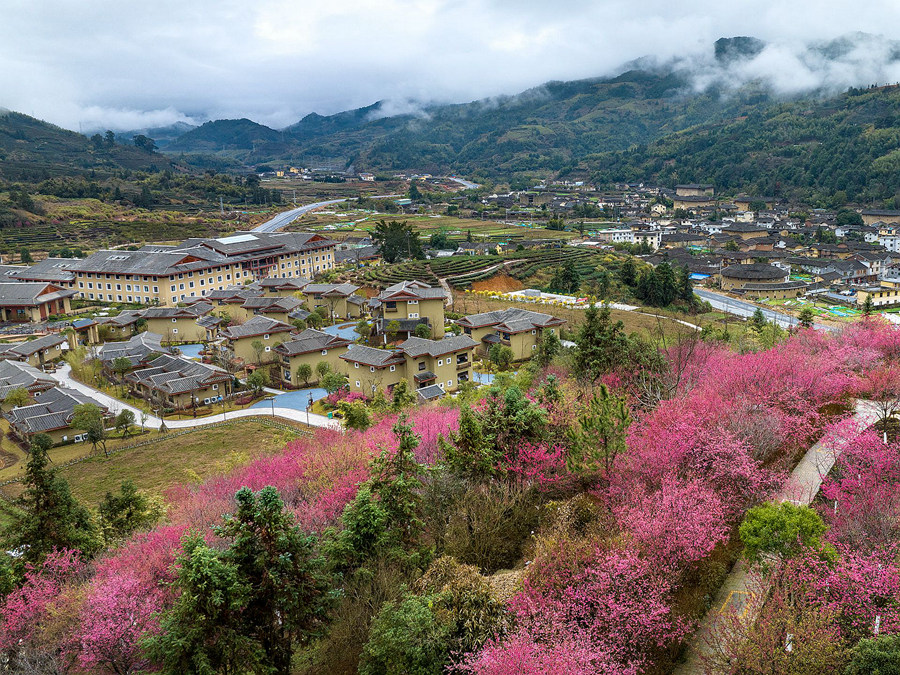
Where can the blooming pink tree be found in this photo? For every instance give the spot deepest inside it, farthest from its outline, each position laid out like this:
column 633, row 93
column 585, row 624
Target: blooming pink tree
column 678, row 524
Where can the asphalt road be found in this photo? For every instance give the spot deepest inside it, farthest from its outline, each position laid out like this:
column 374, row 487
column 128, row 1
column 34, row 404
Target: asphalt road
column 746, row 309
column 283, row 219
column 469, row 185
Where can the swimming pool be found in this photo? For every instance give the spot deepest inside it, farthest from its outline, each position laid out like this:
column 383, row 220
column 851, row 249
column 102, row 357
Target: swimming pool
column 344, row 330
column 191, row 351
column 482, row 378
column 296, row 400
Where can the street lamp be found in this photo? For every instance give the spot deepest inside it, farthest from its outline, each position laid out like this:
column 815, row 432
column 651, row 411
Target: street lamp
column 308, row 406
column 273, row 406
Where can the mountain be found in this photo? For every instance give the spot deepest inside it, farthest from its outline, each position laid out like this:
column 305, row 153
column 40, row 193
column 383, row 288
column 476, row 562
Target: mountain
column 161, row 135
column 31, row 149
column 557, row 126
column 841, row 148
column 229, row 137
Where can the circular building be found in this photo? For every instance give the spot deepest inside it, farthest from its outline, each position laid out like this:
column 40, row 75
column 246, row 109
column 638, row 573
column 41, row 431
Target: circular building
column 736, row 276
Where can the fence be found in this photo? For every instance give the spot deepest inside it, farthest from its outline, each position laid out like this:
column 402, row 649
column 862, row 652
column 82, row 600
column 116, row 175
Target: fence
column 265, row 421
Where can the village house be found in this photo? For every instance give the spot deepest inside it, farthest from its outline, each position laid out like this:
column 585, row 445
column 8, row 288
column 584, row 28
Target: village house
column 410, row 303
column 285, row 288
column 38, row 353
column 33, row 301
column 55, row 271
column 271, row 306
column 139, row 351
column 179, row 383
column 166, row 275
column 340, row 300
column 424, row 364
column 18, row 375
column 310, row 347
column 237, row 342
column 178, row 325
column 51, row 414
column 519, row 329
column 122, row 326
column 87, row 331
column 694, row 190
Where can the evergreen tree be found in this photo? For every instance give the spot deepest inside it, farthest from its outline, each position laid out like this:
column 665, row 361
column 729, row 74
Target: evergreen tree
column 49, row 516
column 601, row 344
column 628, row 272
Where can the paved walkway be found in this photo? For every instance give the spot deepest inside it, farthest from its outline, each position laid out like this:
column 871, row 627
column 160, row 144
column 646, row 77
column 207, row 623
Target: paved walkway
column 801, row 488
column 64, row 377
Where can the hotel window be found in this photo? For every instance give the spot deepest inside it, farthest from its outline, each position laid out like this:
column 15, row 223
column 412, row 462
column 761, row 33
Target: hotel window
column 372, row 369
column 324, row 352
column 393, row 368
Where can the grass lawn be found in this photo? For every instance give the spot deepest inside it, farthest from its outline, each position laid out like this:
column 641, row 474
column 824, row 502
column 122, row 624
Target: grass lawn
column 191, row 457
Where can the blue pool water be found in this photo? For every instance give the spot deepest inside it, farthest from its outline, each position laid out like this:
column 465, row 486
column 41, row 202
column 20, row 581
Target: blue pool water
column 296, row 400
column 482, row 378
column 344, row 330
column 191, row 351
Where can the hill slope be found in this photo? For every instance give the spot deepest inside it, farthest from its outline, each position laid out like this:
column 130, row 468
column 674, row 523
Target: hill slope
column 32, row 150
column 849, row 144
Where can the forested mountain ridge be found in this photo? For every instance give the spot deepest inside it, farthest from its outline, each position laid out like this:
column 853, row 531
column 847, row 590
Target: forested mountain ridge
column 32, row 150
column 847, row 147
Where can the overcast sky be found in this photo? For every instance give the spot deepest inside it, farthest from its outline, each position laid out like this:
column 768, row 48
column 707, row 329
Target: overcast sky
column 124, row 64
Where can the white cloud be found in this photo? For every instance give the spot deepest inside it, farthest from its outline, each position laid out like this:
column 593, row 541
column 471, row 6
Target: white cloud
column 125, row 64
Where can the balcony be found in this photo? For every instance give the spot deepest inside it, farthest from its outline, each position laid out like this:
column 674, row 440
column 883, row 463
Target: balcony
column 462, row 365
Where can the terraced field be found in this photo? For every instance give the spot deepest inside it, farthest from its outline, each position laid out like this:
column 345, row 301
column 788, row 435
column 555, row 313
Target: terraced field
column 462, row 271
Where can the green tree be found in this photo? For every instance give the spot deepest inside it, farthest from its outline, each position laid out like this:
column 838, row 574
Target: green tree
column 414, row 193
column 566, row 279
column 17, row 397
column 757, row 321
column 548, row 348
column 304, row 372
column 332, row 382
column 120, row 366
column 203, row 633
column 391, row 329
column 89, row 418
column 125, row 513
column 501, row 356
column 364, row 330
column 807, row 317
column 601, row 344
column 598, row 438
column 322, row 369
column 257, row 380
column 875, row 656
column 48, row 516
column 258, row 349
column 144, row 143
column 25, row 255
column 439, row 240
column 731, row 246
column 401, row 396
column 407, row 637
column 397, row 240
column 628, row 272
column 423, row 330
column 356, row 415
column 782, row 531
column 384, row 517
column 868, row 306
column 124, row 421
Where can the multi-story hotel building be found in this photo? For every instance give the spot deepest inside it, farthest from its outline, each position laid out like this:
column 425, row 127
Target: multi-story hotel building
column 170, row 274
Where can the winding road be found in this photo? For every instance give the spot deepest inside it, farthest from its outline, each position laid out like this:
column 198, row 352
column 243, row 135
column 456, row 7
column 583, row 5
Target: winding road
column 287, row 217
column 63, row 375
column 745, row 309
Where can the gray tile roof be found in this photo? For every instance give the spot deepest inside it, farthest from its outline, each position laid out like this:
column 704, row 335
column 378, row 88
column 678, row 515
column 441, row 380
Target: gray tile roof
column 311, row 340
column 136, row 350
column 53, row 410
column 30, row 293
column 413, row 290
column 369, row 356
column 19, row 375
column 258, row 325
column 177, row 375
column 505, row 316
column 50, row 269
column 331, row 290
column 429, row 393
column 26, row 349
column 416, row 347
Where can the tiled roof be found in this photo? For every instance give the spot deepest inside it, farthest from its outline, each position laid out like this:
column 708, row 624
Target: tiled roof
column 258, row 325
column 311, row 340
column 136, row 350
column 20, row 375
column 52, row 410
column 332, row 290
column 415, row 346
column 536, row 319
column 369, row 356
column 30, row 293
column 25, row 349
